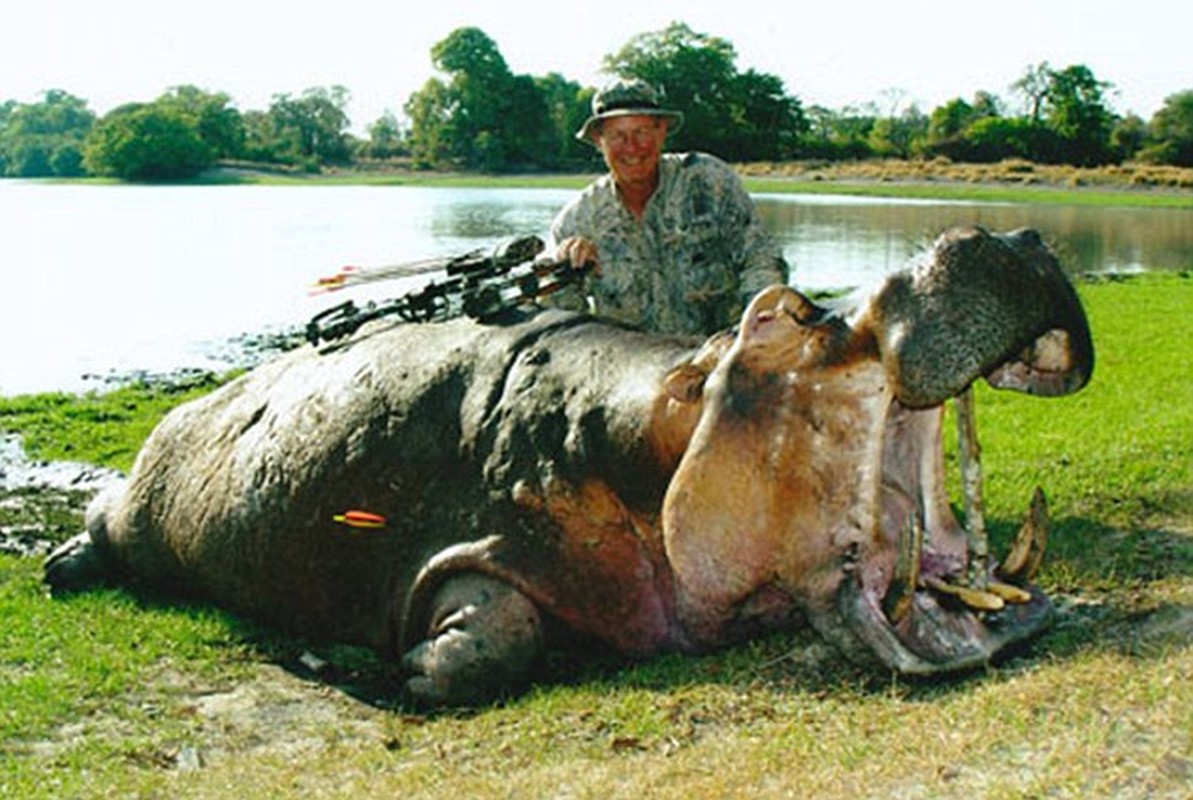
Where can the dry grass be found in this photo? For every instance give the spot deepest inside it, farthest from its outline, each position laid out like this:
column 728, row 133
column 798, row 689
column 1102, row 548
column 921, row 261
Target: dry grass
column 1012, row 172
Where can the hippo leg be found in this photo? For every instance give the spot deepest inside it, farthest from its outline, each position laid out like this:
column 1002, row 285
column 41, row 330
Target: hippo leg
column 484, row 638
column 75, row 565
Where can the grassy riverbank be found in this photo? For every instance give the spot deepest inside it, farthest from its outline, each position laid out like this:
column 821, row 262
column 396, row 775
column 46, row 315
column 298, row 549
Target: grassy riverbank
column 111, row 695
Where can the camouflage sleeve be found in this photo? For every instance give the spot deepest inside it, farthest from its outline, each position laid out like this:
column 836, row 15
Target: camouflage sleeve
column 761, row 260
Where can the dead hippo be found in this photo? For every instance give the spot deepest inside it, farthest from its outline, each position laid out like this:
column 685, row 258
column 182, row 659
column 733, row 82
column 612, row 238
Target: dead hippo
column 449, row 493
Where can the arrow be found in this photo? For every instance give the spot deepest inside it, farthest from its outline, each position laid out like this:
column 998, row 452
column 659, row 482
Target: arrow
column 504, row 256
column 351, row 275
column 360, row 519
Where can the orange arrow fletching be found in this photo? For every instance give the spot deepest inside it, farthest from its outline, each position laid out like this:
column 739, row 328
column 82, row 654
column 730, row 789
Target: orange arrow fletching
column 360, row 519
column 341, row 279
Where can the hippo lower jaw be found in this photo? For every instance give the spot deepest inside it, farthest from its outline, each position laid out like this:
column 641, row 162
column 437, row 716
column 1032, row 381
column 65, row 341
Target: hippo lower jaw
column 926, row 598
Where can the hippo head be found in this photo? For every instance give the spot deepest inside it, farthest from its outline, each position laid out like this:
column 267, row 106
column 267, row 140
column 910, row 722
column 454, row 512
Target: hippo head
column 814, row 481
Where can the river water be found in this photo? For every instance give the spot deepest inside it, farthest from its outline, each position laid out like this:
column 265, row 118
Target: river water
column 103, row 280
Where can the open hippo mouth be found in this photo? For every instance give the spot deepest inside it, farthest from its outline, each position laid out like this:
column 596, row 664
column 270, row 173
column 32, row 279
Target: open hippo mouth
column 926, row 595
column 815, row 476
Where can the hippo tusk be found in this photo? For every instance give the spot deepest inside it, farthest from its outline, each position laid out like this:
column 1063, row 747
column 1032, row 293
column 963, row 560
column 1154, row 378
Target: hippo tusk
column 970, row 457
column 906, row 578
column 1027, row 551
column 1008, row 592
column 978, row 599
column 1023, row 560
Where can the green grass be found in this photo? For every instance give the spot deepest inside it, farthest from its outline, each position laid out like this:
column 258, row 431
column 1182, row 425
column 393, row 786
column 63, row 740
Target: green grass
column 1116, row 460
column 105, row 695
column 102, row 428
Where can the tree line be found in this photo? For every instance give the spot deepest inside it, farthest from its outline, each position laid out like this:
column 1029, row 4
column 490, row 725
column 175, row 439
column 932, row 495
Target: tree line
column 476, row 114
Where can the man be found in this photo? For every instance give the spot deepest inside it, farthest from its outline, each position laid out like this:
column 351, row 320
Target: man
column 677, row 241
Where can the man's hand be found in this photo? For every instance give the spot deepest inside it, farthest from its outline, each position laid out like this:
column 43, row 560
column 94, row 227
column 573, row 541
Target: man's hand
column 579, row 252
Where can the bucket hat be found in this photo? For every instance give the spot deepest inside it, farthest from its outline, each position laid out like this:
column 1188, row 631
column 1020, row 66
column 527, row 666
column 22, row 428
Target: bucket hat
column 626, row 98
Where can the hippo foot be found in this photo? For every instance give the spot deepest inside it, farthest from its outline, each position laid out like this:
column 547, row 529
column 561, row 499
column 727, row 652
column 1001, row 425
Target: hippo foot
column 74, row 566
column 484, row 639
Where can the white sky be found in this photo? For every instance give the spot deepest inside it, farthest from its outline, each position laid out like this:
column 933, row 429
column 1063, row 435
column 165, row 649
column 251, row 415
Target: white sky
column 832, row 52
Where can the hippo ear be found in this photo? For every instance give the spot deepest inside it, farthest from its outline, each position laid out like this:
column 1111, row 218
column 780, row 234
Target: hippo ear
column 685, row 383
column 774, row 310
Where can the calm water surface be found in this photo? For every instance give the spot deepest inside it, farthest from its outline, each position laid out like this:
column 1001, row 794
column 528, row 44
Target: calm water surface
column 109, row 279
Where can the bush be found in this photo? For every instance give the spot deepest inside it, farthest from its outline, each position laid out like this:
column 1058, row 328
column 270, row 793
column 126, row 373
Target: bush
column 146, row 142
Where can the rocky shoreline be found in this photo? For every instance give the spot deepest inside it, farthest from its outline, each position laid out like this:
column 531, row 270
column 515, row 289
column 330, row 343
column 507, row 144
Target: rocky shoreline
column 238, row 353
column 42, row 502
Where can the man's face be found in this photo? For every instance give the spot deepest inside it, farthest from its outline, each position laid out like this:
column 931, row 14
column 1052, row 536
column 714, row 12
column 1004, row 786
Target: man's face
column 632, row 146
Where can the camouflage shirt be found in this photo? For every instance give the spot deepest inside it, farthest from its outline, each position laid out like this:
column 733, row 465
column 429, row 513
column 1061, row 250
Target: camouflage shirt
column 698, row 254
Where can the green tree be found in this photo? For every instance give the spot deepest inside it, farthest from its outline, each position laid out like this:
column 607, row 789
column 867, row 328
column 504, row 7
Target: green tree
column 1034, row 87
column 851, row 131
column 1076, row 112
column 146, row 142
column 1129, row 137
column 45, row 138
column 769, row 123
column 483, row 117
column 528, row 137
column 949, row 120
column 311, row 129
column 900, row 135
column 568, row 105
column 432, row 136
column 739, row 116
column 949, row 128
column 822, row 141
column 1171, row 131
column 1069, row 108
column 477, row 96
column 385, row 137
column 991, row 139
column 261, row 143
column 213, row 117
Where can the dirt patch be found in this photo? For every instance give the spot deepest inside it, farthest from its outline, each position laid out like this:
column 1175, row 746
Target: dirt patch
column 269, row 713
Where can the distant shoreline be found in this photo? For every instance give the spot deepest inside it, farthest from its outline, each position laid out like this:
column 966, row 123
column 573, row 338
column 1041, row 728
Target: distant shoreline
column 1130, row 185
column 1125, row 186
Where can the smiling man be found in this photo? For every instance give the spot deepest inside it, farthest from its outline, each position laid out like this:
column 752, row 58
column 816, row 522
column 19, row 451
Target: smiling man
column 678, row 242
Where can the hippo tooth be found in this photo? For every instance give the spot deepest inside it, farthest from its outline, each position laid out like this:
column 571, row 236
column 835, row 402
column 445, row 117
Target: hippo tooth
column 901, row 592
column 977, row 599
column 970, row 458
column 1008, row 592
column 1027, row 551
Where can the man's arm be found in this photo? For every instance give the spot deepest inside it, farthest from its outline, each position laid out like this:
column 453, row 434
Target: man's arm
column 761, row 263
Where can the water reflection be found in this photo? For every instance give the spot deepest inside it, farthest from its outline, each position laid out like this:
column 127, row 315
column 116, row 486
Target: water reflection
column 835, row 241
column 491, row 214
column 100, row 278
